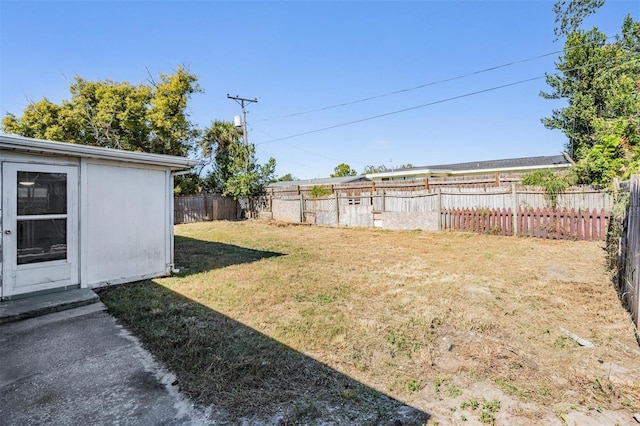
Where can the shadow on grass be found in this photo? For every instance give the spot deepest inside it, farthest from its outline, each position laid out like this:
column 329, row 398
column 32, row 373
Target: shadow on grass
column 244, row 375
column 193, row 256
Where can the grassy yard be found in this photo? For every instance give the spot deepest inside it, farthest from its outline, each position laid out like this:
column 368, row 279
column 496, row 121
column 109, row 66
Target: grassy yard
column 278, row 324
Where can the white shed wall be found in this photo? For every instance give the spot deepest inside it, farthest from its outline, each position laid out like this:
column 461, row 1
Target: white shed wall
column 125, row 223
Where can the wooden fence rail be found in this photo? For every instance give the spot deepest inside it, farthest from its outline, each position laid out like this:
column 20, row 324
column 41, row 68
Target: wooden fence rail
column 541, row 223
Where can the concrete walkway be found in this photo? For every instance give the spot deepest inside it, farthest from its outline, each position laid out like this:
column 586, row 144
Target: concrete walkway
column 42, row 304
column 78, row 366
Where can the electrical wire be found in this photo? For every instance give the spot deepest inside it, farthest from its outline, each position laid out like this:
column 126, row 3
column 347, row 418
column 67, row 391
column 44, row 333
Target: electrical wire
column 322, row 156
column 422, row 86
column 386, row 114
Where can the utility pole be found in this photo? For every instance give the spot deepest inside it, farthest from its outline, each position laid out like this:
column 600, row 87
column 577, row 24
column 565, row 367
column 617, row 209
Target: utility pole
column 242, row 101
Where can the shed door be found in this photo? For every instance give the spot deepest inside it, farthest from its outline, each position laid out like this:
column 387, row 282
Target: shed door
column 39, row 227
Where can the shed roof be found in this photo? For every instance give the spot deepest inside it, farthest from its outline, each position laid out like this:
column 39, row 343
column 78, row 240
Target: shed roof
column 40, row 146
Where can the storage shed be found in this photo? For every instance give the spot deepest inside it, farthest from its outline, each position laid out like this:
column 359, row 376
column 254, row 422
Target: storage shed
column 82, row 216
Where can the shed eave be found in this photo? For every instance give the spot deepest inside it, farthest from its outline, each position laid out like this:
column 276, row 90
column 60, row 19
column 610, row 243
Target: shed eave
column 40, row 146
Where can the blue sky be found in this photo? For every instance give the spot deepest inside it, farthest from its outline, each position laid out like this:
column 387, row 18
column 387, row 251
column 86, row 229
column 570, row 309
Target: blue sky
column 300, row 56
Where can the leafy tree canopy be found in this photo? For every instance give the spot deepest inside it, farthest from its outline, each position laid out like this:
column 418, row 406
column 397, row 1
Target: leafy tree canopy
column 286, row 178
column 570, row 14
column 148, row 117
column 236, row 172
column 215, row 144
column 374, row 169
column 342, row 170
column 247, row 177
column 600, row 80
column 188, row 184
column 382, row 168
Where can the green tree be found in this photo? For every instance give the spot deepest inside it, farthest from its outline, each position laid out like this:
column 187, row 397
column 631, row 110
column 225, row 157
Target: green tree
column 374, row 169
column 188, row 184
column 248, row 178
column 215, row 144
column 285, row 178
column 600, row 80
column 236, row 172
column 150, row 117
column 570, row 14
column 342, row 170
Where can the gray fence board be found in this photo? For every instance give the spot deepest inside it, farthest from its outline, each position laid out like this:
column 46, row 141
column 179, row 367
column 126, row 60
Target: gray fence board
column 204, row 207
column 350, row 207
column 629, row 254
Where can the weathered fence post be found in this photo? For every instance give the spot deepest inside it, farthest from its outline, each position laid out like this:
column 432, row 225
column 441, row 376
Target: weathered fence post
column 301, row 207
column 514, row 208
column 205, row 201
column 337, row 208
column 439, row 206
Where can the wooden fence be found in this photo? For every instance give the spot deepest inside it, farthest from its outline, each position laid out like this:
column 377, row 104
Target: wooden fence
column 204, row 207
column 400, row 199
column 496, row 221
column 356, row 188
column 542, row 223
column 191, row 208
column 629, row 254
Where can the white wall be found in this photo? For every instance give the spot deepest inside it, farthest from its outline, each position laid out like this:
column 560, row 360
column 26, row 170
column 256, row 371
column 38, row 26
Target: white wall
column 125, row 223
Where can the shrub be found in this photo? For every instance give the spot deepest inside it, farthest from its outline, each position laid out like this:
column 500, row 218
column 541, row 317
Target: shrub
column 320, row 191
column 552, row 184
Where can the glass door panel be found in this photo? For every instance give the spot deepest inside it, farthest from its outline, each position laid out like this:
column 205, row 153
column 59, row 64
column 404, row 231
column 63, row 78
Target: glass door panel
column 41, row 217
column 41, row 240
column 41, row 193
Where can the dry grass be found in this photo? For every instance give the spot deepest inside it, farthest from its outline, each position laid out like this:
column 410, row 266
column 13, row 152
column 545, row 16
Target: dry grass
column 413, row 315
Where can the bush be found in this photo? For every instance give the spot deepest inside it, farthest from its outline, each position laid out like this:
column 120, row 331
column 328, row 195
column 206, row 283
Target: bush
column 552, row 184
column 320, row 191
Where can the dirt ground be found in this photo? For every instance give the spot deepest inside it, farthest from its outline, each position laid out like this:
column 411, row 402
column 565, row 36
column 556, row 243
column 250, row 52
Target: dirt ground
column 443, row 328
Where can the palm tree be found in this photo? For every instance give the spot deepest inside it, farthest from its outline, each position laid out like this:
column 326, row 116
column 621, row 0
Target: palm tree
column 220, row 135
column 215, row 144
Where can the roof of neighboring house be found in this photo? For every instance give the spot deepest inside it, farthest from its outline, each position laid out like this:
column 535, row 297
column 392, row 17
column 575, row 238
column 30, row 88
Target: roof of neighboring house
column 510, row 163
column 44, row 147
column 489, row 166
column 319, row 181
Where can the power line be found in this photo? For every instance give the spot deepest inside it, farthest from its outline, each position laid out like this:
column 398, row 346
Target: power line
column 332, row 158
column 402, row 110
column 386, row 114
column 320, row 155
column 422, row 86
